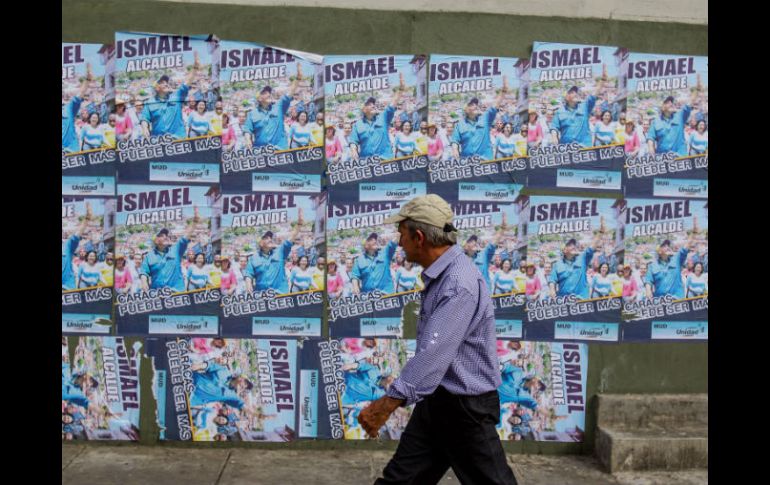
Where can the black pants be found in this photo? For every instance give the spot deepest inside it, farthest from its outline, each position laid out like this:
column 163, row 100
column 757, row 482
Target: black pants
column 448, row 430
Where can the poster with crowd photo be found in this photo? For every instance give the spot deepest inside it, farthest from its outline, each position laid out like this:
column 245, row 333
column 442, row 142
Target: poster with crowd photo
column 273, row 119
column 88, row 125
column 666, row 98
column 478, row 125
column 215, row 389
column 378, row 107
column 88, row 259
column 543, row 394
column 166, row 89
column 369, row 366
column 573, row 90
column 321, row 381
column 576, row 245
column 370, row 283
column 100, row 389
column 170, row 239
column 490, row 219
column 666, row 248
column 274, row 247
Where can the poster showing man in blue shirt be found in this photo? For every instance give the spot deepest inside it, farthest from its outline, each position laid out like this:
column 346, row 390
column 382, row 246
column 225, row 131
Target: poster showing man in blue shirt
column 266, row 268
column 371, row 270
column 518, row 388
column 215, row 382
column 370, row 136
column 364, row 381
column 265, row 123
column 471, row 135
column 664, row 276
column 568, row 275
column 667, row 131
column 69, row 115
column 482, row 258
column 162, row 113
column 571, row 123
column 69, row 247
column 162, row 265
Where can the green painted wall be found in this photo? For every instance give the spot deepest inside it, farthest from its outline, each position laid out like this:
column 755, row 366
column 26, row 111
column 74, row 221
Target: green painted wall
column 624, row 368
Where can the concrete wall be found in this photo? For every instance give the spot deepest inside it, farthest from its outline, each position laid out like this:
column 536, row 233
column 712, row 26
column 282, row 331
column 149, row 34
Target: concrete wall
column 624, row 368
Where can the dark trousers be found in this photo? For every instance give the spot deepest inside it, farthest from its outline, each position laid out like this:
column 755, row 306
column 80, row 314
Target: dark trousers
column 448, row 430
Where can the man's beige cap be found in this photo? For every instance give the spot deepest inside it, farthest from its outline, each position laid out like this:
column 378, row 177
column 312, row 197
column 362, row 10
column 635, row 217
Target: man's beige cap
column 428, row 209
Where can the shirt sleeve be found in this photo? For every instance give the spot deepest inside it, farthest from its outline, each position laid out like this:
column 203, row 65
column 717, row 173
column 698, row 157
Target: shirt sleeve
column 556, row 122
column 490, row 115
column 74, row 106
column 590, row 102
column 181, row 246
column 145, row 116
column 388, row 113
column 283, row 104
column 248, row 125
column 145, row 268
column 651, row 132
column 685, row 113
column 181, row 93
column 250, row 271
column 355, row 273
column 489, row 252
column 447, row 326
column 354, row 139
column 456, row 138
column 683, row 252
column 553, row 278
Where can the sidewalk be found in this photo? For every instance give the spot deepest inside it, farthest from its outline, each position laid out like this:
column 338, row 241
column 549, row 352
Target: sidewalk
column 161, row 465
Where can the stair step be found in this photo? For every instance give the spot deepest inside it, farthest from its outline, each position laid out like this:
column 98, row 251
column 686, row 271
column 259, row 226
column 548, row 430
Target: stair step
column 653, row 448
column 633, row 411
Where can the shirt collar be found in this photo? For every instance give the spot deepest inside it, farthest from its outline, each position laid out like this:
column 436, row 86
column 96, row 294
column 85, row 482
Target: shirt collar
column 439, row 265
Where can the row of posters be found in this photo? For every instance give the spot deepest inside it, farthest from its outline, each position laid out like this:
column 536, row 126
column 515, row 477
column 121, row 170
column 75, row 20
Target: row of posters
column 217, row 389
column 224, row 188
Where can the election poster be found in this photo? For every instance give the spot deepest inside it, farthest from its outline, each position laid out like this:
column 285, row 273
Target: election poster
column 216, row 389
column 100, row 389
column 370, row 283
column 667, row 138
column 272, row 114
column 166, row 85
column 543, row 393
column 275, row 244
column 491, row 219
column 478, row 125
column 377, row 105
column 576, row 246
column 170, row 238
column 370, row 365
column 321, row 381
column 666, row 248
column 88, row 125
column 574, row 92
column 88, row 262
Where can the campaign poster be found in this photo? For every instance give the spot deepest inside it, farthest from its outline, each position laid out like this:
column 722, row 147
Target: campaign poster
column 166, row 85
column 378, row 107
column 272, row 112
column 576, row 245
column 216, row 389
column 370, row 365
column 170, row 237
column 100, row 389
column 275, row 244
column 478, row 125
column 574, row 91
column 666, row 147
column 543, row 394
column 88, row 124
column 321, row 381
column 88, row 263
column 666, row 247
column 370, row 283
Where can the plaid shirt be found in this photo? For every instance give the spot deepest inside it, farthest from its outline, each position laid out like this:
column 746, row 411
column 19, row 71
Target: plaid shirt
column 456, row 341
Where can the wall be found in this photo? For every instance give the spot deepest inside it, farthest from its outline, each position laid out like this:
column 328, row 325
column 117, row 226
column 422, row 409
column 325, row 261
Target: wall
column 623, row 368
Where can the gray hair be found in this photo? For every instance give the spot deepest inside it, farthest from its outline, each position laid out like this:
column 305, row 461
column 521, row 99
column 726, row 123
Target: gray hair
column 434, row 235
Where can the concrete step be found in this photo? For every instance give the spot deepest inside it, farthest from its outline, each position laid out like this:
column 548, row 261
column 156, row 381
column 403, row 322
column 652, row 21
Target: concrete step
column 653, row 448
column 633, row 411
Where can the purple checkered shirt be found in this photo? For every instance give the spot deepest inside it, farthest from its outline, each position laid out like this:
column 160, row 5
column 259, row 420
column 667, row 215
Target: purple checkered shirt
column 456, row 341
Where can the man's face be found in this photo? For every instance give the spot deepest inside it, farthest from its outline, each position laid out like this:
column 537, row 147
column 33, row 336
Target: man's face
column 667, row 108
column 218, row 107
column 547, row 268
column 549, row 115
column 112, row 120
column 371, row 245
column 241, row 117
column 162, row 87
column 110, row 259
column 450, row 129
column 408, row 243
column 321, row 263
column 266, row 244
column 138, row 260
column 242, row 261
column 571, row 97
column 264, row 98
column 471, row 246
column 162, row 241
column 523, row 266
column 570, row 251
column 218, row 261
column 665, row 252
column 369, row 110
column 139, row 106
column 319, row 119
column 472, row 111
column 646, row 125
column 349, row 265
column 82, row 253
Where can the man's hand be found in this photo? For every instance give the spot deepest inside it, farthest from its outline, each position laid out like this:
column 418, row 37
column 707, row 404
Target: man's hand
column 374, row 416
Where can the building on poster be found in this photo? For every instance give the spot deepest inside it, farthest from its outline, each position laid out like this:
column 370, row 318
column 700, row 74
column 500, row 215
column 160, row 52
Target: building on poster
column 370, row 366
column 372, row 281
column 377, row 106
column 215, row 389
column 573, row 89
column 543, row 393
column 578, row 244
column 666, row 246
column 89, row 263
column 89, row 128
column 100, row 389
column 170, row 236
column 667, row 100
column 168, row 89
column 275, row 243
column 478, row 117
column 273, row 112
